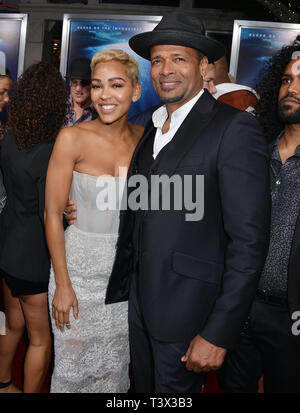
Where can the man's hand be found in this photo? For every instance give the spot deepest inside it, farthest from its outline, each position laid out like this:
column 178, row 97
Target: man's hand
column 202, row 356
column 69, row 212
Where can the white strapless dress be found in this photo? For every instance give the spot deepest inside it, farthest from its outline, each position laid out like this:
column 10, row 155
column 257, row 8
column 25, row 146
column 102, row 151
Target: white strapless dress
column 92, row 356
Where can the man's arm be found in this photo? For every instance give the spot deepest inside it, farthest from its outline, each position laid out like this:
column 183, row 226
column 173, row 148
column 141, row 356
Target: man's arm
column 243, row 173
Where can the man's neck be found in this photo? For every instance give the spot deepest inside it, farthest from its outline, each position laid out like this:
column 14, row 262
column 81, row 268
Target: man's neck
column 79, row 107
column 291, row 135
column 172, row 107
column 289, row 141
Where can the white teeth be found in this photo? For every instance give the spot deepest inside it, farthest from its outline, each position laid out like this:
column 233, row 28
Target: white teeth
column 108, row 107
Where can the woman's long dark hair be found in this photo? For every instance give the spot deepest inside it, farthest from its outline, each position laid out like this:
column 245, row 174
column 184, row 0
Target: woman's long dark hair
column 38, row 106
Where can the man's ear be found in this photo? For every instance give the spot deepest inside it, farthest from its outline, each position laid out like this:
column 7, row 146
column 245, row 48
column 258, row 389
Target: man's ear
column 203, row 66
column 137, row 92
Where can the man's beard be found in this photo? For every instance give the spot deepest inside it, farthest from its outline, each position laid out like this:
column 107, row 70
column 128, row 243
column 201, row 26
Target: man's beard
column 174, row 99
column 291, row 118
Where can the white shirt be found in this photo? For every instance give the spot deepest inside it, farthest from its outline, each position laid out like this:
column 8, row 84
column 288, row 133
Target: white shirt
column 159, row 118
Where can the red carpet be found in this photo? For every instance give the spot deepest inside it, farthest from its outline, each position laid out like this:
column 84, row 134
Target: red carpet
column 211, row 385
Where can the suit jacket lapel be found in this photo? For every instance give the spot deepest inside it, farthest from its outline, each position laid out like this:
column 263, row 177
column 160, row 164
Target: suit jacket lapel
column 147, row 134
column 195, row 122
column 188, row 133
column 126, row 216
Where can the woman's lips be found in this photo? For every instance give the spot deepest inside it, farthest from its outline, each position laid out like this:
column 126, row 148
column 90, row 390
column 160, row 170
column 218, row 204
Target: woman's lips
column 107, row 108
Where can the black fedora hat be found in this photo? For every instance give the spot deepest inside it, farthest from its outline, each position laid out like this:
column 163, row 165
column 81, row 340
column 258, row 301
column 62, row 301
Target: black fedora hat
column 80, row 69
column 178, row 29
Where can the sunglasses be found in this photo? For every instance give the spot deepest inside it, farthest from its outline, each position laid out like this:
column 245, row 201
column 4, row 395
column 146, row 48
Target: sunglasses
column 80, row 82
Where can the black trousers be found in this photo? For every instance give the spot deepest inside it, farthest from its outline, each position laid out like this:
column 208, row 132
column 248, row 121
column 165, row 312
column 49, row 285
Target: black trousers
column 156, row 365
column 267, row 347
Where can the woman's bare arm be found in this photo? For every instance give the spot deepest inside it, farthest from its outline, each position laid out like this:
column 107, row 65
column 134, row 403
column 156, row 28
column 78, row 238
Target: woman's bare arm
column 58, row 182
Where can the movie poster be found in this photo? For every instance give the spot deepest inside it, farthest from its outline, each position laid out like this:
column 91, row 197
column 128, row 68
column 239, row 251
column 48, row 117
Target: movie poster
column 256, row 46
column 12, row 46
column 9, row 43
column 87, row 37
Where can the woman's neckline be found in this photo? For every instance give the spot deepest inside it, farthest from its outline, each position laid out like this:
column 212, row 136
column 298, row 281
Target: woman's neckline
column 98, row 176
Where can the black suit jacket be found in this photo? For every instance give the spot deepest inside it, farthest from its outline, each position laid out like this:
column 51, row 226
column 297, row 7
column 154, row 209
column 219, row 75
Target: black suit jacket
column 201, row 277
column 23, row 249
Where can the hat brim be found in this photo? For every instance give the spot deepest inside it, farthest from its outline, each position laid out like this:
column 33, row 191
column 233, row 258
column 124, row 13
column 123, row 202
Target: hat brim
column 141, row 43
column 80, row 77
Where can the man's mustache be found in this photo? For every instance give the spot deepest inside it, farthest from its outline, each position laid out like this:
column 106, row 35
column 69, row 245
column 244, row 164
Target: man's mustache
column 289, row 96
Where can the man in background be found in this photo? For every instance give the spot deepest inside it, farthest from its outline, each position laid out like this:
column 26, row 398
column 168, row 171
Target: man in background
column 239, row 96
column 270, row 339
column 80, row 107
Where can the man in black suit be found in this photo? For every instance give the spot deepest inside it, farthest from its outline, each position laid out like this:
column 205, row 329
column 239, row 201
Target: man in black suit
column 270, row 339
column 191, row 282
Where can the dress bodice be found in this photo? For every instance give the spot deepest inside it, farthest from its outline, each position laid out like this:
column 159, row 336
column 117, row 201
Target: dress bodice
column 98, row 200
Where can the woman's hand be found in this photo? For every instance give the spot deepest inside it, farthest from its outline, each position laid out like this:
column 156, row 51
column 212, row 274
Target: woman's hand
column 64, row 298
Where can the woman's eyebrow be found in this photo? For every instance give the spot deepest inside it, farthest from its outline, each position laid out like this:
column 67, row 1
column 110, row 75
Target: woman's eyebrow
column 110, row 79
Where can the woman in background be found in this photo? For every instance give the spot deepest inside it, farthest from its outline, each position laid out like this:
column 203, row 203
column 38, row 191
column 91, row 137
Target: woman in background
column 91, row 343
column 36, row 114
column 5, row 86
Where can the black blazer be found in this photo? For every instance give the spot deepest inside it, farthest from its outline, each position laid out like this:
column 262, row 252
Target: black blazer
column 201, row 277
column 23, row 249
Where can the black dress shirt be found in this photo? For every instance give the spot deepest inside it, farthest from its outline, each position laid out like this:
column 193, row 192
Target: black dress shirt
column 285, row 193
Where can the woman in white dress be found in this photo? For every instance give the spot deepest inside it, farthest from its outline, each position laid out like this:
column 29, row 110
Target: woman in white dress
column 90, row 338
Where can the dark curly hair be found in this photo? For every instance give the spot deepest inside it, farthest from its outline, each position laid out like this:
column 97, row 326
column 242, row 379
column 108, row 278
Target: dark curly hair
column 268, row 89
column 38, row 106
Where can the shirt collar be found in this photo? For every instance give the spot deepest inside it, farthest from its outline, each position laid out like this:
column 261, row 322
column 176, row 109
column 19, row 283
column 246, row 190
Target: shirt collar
column 160, row 115
column 275, row 150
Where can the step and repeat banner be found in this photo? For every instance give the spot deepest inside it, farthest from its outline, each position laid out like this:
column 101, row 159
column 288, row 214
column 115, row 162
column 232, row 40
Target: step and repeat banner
column 85, row 35
column 254, row 43
column 13, row 29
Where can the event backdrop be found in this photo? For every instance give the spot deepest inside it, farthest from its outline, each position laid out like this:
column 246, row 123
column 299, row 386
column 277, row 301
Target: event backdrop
column 85, row 35
column 224, row 37
column 254, row 43
column 12, row 41
column 12, row 45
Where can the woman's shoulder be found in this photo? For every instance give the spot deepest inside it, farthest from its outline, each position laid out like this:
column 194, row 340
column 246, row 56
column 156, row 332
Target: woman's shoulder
column 8, row 134
column 66, row 139
column 8, row 139
column 75, row 134
column 70, row 133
